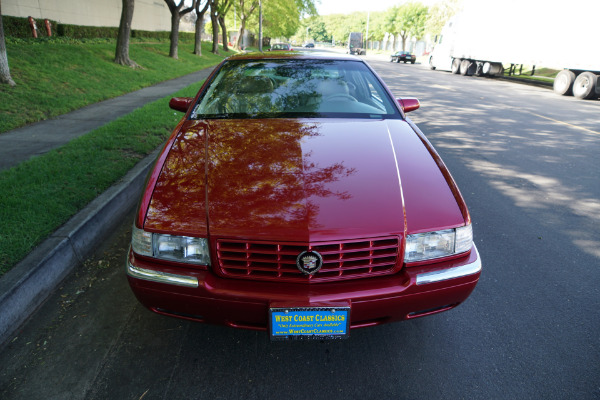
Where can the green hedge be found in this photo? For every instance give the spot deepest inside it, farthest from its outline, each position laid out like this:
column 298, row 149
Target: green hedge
column 86, row 32
column 18, row 27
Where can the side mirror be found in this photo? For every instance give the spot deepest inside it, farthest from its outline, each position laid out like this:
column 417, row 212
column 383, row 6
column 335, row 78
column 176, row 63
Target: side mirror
column 180, row 103
column 409, row 104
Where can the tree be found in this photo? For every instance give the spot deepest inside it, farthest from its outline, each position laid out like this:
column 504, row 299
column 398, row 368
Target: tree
column 4, row 70
column 340, row 26
column 281, row 18
column 177, row 11
column 407, row 20
column 122, row 51
column 199, row 26
column 214, row 11
column 222, row 10
column 440, row 13
column 244, row 10
column 377, row 26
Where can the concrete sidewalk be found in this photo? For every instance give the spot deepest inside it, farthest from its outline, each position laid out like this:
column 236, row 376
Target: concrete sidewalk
column 25, row 288
column 23, row 143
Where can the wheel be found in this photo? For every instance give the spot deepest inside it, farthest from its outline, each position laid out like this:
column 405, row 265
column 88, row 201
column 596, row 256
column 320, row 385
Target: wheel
column 563, row 83
column 456, row 65
column 492, row 69
column 431, row 66
column 478, row 69
column 467, row 67
column 584, row 86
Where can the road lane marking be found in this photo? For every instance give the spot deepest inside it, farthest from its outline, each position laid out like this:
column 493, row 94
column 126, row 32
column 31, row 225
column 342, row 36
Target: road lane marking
column 563, row 123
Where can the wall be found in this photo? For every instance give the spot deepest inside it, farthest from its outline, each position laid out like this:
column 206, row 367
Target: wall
column 148, row 15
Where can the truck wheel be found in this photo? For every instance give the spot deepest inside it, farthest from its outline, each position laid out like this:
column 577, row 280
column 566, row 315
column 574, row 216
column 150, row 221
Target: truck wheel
column 584, row 86
column 467, row 67
column 478, row 69
column 455, row 65
column 563, row 83
column 431, row 66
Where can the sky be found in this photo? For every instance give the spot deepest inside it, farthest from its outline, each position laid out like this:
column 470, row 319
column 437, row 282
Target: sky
column 349, row 6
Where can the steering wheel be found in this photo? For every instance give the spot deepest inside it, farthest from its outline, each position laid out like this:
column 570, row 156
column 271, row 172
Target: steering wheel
column 340, row 97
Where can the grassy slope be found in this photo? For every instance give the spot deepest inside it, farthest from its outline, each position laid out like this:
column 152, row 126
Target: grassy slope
column 54, row 77
column 39, row 195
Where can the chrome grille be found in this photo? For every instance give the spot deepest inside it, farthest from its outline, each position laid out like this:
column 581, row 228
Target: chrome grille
column 277, row 261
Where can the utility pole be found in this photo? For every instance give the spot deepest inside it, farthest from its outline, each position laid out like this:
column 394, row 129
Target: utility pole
column 367, row 37
column 260, row 41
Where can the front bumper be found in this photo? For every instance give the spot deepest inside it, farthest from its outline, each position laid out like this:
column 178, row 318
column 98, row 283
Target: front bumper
column 201, row 295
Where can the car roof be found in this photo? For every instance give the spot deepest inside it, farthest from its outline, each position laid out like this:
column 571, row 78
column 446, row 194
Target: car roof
column 294, row 55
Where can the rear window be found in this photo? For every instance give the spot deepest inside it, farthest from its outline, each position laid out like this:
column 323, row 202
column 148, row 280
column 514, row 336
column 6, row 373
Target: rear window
column 295, row 88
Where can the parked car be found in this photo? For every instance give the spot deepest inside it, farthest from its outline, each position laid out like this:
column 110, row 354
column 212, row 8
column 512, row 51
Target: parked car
column 404, row 56
column 296, row 197
column 309, row 45
column 281, row 46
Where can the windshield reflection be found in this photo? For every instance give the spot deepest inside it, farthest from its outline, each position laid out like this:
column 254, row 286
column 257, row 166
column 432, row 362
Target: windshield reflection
column 295, row 88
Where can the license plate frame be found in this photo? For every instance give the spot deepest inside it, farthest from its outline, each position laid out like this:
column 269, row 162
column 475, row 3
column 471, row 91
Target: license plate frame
column 302, row 323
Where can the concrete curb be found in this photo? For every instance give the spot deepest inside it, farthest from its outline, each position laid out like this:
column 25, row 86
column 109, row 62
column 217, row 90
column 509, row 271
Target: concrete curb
column 26, row 287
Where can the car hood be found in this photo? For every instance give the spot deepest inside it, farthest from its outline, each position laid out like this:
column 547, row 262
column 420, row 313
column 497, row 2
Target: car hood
column 300, row 180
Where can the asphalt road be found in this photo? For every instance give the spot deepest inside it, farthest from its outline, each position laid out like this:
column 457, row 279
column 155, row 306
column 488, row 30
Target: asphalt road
column 526, row 162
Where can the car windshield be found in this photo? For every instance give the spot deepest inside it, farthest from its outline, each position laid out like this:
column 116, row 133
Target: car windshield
column 295, row 88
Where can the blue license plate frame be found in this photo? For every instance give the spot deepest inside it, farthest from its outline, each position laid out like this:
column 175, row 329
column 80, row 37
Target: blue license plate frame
column 297, row 323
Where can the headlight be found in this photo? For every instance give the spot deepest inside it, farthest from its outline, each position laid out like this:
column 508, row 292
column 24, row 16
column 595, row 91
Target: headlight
column 425, row 246
column 169, row 247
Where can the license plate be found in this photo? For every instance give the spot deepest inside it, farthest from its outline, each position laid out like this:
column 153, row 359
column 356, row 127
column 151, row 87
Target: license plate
column 309, row 323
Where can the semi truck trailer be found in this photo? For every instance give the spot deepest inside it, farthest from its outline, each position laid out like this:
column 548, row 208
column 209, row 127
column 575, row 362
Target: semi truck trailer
column 483, row 39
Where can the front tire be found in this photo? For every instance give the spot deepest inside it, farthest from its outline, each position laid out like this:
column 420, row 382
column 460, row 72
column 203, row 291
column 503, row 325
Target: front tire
column 467, row 67
column 563, row 83
column 584, row 86
column 455, row 69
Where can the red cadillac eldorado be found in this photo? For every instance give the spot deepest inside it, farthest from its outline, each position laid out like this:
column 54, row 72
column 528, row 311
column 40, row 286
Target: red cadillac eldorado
column 296, row 197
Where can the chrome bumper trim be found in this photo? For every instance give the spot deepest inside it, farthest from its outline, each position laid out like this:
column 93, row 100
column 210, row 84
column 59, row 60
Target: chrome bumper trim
column 450, row 273
column 161, row 277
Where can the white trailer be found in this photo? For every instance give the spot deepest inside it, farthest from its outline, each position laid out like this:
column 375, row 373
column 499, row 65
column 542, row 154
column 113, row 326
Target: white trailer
column 486, row 36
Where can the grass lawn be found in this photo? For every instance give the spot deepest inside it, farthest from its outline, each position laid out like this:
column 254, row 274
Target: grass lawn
column 39, row 195
column 57, row 76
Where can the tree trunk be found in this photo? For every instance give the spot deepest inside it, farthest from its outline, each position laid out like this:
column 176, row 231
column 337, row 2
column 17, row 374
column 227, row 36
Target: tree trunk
column 199, row 27
column 175, row 17
column 122, row 52
column 198, row 36
column 215, row 25
column 221, row 19
column 4, row 70
column 240, row 38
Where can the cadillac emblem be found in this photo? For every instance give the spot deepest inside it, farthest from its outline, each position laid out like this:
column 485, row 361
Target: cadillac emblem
column 309, row 262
